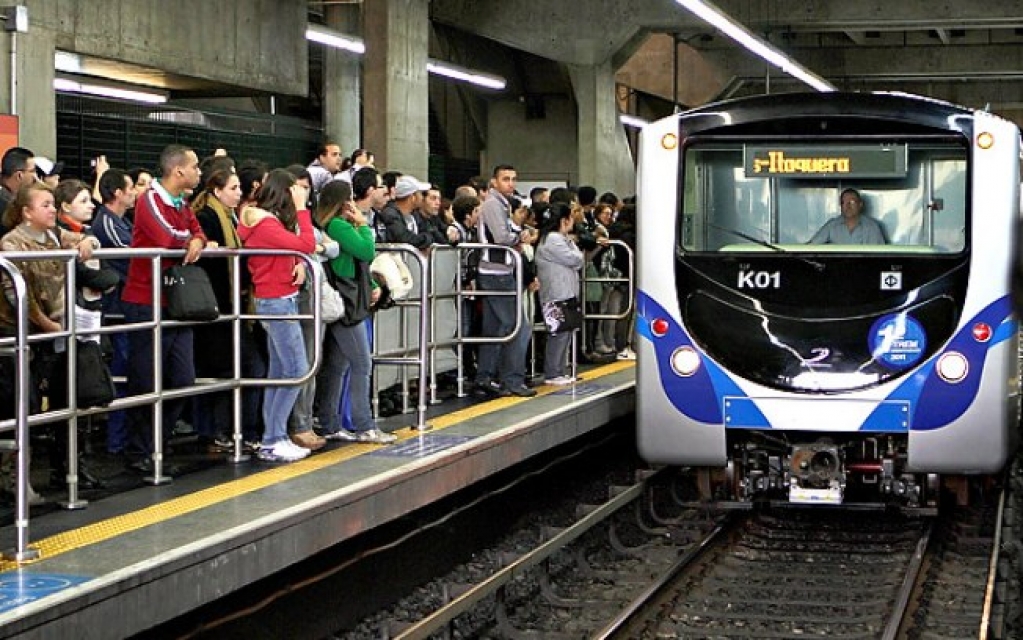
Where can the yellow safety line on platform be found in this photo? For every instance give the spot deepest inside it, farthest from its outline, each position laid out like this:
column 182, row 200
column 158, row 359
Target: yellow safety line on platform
column 113, row 527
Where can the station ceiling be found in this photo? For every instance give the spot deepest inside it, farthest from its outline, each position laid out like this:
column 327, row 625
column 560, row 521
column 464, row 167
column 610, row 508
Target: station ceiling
column 968, row 52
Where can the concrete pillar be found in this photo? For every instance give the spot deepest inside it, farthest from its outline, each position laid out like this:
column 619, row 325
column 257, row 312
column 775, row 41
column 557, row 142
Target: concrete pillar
column 342, row 72
column 36, row 105
column 395, row 88
column 605, row 160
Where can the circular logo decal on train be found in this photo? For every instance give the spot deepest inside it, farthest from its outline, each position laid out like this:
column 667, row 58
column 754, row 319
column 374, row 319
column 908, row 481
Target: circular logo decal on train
column 897, row 340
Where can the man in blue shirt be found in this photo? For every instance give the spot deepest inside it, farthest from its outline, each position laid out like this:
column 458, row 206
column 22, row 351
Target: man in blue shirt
column 852, row 227
column 113, row 230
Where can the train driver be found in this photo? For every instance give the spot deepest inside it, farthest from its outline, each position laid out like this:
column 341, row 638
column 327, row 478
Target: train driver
column 851, row 227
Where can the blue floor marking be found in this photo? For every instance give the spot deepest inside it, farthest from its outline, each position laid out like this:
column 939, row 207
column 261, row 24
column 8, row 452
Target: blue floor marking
column 421, row 446
column 582, row 389
column 20, row 588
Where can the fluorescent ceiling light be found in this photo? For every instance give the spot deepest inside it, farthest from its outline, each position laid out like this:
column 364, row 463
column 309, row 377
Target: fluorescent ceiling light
column 633, row 121
column 455, row 72
column 706, row 10
column 354, row 44
column 335, row 39
column 67, row 62
column 73, row 86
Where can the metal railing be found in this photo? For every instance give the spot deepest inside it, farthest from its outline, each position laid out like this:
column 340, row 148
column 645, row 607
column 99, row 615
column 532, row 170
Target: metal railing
column 423, row 358
column 628, row 280
column 156, row 397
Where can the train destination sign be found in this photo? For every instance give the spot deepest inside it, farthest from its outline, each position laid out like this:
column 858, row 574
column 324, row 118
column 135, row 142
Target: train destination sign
column 825, row 161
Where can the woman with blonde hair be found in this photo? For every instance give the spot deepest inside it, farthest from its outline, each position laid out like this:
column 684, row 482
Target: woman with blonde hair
column 32, row 219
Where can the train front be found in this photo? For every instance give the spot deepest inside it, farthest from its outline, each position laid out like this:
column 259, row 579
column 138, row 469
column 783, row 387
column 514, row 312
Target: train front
column 823, row 295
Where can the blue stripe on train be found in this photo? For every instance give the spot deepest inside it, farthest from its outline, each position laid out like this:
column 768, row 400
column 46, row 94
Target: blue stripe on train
column 935, row 402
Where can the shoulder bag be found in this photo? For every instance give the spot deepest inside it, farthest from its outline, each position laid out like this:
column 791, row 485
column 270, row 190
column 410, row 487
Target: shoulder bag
column 332, row 307
column 562, row 315
column 355, row 293
column 189, row 294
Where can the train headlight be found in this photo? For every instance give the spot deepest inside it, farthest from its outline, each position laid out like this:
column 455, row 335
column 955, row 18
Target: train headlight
column 685, row 361
column 953, row 367
column 985, row 140
column 659, row 327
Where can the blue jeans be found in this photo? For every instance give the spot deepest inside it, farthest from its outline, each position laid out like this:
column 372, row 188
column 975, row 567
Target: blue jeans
column 178, row 371
column 287, row 360
column 503, row 361
column 345, row 350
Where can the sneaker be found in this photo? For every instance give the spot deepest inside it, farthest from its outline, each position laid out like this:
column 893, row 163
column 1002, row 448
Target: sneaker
column 560, row 380
column 283, row 451
column 341, row 435
column 376, row 436
column 308, row 440
column 627, row 354
column 219, row 445
column 521, row 391
column 603, row 350
column 487, row 389
column 182, row 428
column 252, row 446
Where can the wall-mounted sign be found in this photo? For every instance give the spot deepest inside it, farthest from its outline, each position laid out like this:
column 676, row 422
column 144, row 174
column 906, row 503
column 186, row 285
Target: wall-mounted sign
column 825, row 161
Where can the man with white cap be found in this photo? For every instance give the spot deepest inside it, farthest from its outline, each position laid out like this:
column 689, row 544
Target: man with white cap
column 49, row 171
column 398, row 219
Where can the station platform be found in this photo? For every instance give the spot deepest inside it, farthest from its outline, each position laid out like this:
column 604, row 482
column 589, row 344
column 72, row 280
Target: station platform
column 139, row 558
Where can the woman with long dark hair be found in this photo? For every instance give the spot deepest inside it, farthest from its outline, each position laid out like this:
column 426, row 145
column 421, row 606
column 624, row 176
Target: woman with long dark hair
column 558, row 263
column 216, row 209
column 279, row 220
column 346, row 347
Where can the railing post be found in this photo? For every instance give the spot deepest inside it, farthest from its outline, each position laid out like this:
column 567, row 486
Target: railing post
column 73, row 501
column 157, row 478
column 22, row 552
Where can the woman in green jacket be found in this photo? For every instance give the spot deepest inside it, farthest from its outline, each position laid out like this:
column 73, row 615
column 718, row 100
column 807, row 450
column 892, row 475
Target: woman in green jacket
column 346, row 347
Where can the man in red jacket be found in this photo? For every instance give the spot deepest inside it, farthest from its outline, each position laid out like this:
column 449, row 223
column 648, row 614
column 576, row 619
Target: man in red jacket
column 163, row 220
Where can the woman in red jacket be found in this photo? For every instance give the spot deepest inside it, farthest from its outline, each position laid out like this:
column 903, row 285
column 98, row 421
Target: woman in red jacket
column 279, row 220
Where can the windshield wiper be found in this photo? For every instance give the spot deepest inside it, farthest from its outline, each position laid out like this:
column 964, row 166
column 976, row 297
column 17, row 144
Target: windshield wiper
column 764, row 243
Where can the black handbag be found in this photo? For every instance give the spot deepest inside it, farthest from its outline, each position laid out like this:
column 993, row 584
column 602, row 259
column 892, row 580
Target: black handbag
column 95, row 384
column 562, row 315
column 355, row 292
column 189, row 294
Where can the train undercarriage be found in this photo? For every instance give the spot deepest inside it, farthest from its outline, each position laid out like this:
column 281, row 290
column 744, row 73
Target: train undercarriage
column 825, row 470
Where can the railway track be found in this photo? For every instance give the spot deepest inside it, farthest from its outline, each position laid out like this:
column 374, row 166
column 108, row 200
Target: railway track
column 831, row 574
column 623, row 569
column 623, row 554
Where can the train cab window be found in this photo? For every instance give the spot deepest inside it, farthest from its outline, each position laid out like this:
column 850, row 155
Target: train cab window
column 764, row 197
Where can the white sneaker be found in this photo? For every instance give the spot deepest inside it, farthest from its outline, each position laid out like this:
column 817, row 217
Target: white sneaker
column 298, row 449
column 627, row 354
column 376, row 436
column 560, row 380
column 283, row 451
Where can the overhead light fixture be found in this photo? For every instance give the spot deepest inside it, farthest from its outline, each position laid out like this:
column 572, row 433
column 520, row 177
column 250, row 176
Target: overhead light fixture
column 334, row 39
column 455, row 72
column 108, row 91
column 735, row 30
column 354, row 44
column 632, row 121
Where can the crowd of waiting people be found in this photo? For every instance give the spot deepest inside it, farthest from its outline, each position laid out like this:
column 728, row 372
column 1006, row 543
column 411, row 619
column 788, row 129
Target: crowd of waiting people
column 337, row 210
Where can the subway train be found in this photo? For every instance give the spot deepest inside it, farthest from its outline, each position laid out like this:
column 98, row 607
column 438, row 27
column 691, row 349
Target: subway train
column 797, row 348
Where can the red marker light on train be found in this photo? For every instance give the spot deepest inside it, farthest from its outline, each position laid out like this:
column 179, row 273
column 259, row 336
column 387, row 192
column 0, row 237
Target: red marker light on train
column 982, row 332
column 659, row 327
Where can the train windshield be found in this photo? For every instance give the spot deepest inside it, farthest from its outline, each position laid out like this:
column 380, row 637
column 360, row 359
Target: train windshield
column 825, row 196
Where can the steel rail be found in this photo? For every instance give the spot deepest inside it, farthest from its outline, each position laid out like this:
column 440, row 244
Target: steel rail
column 640, row 602
column 908, row 586
column 464, row 603
column 992, row 572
